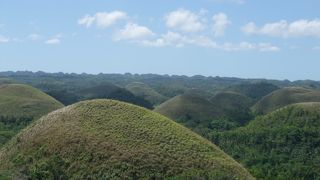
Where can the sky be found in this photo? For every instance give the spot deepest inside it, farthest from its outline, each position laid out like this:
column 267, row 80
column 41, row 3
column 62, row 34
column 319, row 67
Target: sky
column 230, row 38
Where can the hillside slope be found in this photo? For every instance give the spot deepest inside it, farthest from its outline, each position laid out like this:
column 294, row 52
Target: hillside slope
column 285, row 96
column 234, row 105
column 144, row 91
column 110, row 139
column 223, row 112
column 254, row 90
column 281, row 145
column 19, row 105
column 17, row 100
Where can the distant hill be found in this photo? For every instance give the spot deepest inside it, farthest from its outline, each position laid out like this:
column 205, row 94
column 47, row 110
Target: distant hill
column 19, row 100
column 254, row 90
column 5, row 81
column 19, row 105
column 194, row 111
column 110, row 91
column 234, row 105
column 144, row 91
column 190, row 110
column 281, row 145
column 113, row 140
column 285, row 96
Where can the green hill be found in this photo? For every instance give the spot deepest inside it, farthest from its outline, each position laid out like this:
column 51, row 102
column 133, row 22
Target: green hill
column 234, row 105
column 285, row 96
column 194, row 111
column 255, row 90
column 111, row 91
column 191, row 110
column 281, row 145
column 5, row 81
column 144, row 91
column 19, row 105
column 113, row 140
column 17, row 100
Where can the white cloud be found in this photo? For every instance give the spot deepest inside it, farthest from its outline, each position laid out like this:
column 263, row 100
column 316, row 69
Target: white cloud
column 184, row 20
column 220, row 23
column 299, row 28
column 246, row 46
column 4, row 39
column 53, row 41
column 133, row 32
column 178, row 40
column 87, row 20
column 232, row 1
column 102, row 19
column 34, row 37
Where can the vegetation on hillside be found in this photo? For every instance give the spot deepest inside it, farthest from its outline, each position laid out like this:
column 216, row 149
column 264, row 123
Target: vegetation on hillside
column 285, row 96
column 144, row 91
column 282, row 145
column 195, row 112
column 254, row 90
column 19, row 105
column 109, row 139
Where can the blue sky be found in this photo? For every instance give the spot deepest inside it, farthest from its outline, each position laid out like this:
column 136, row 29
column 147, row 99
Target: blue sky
column 239, row 38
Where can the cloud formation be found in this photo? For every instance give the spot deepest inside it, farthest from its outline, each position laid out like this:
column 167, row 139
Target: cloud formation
column 53, row 41
column 220, row 23
column 4, row 39
column 284, row 29
column 184, row 20
column 133, row 32
column 102, row 19
column 179, row 40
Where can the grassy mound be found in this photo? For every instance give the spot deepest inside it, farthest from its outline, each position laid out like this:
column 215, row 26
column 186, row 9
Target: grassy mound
column 234, row 105
column 17, row 100
column 113, row 140
column 5, row 81
column 19, row 105
column 281, row 145
column 144, row 91
column 254, row 90
column 191, row 110
column 285, row 96
column 222, row 112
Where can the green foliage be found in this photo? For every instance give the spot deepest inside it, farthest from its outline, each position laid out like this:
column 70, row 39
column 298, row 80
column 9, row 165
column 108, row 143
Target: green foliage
column 19, row 105
column 9, row 126
column 144, row 91
column 254, row 90
column 113, row 140
column 284, row 97
column 282, row 145
column 17, row 100
column 223, row 112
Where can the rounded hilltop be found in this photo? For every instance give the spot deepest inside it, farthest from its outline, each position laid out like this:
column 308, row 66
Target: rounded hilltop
column 112, row 139
column 18, row 100
column 284, row 97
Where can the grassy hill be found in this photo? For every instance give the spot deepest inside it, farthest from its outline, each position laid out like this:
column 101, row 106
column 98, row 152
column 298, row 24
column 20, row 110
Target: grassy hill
column 281, row 145
column 113, row 140
column 285, row 96
column 193, row 110
column 234, row 105
column 19, row 105
column 253, row 90
column 19, row 100
column 5, row 81
column 144, row 91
